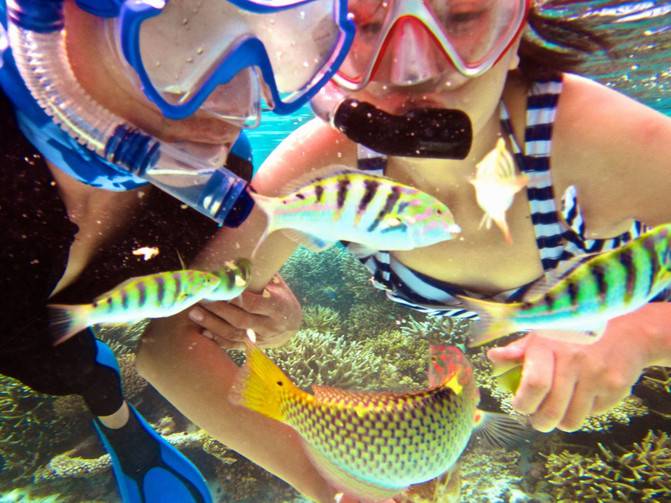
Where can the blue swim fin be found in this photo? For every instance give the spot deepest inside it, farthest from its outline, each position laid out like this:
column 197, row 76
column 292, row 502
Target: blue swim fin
column 147, row 468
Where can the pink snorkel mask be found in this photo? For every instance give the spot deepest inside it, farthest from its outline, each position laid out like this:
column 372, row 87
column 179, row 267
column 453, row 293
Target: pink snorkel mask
column 408, row 42
column 418, row 39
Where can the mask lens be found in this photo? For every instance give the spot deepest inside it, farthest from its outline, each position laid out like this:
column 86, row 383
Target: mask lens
column 184, row 50
column 472, row 34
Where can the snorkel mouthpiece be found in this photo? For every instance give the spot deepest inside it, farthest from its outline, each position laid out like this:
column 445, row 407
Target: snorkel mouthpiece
column 423, row 132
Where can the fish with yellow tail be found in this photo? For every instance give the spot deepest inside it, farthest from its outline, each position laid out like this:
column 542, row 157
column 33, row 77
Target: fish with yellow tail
column 585, row 294
column 152, row 296
column 496, row 184
column 371, row 445
column 340, row 204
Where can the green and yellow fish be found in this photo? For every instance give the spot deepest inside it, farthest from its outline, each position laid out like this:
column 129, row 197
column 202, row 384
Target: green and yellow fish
column 339, row 204
column 372, row 445
column 578, row 306
column 152, row 296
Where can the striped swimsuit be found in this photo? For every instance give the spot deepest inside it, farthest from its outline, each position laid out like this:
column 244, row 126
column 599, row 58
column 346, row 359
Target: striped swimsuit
column 556, row 242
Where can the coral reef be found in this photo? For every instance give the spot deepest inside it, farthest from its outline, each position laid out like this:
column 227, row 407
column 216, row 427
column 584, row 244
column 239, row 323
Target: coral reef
column 640, row 472
column 444, row 329
column 27, row 429
column 321, row 319
column 490, row 476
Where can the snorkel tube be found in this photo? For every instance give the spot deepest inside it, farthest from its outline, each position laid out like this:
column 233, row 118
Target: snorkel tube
column 36, row 35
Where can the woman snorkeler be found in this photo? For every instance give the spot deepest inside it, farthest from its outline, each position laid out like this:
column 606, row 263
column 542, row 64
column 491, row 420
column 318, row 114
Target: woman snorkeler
column 121, row 158
column 571, row 136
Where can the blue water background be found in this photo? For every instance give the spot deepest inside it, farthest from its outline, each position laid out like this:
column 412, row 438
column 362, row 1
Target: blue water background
column 641, row 70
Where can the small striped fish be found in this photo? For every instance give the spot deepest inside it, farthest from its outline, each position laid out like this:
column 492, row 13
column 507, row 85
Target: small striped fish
column 373, row 445
column 578, row 306
column 234, row 279
column 153, row 296
column 340, row 204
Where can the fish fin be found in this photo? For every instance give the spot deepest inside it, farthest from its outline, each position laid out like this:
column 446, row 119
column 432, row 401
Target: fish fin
column 331, row 394
column 485, row 222
column 494, row 320
column 66, row 320
column 259, row 383
column 502, row 224
column 181, row 260
column 508, row 375
column 317, row 174
column 348, row 483
column 502, row 430
column 312, row 243
column 565, row 268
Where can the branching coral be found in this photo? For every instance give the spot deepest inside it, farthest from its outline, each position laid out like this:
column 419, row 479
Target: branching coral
column 641, row 472
column 26, row 428
column 437, row 328
column 321, row 319
column 489, row 475
column 323, row 358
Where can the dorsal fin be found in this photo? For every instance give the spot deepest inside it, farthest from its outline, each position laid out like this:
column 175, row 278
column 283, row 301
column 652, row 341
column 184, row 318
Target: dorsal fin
column 317, row 174
column 551, row 278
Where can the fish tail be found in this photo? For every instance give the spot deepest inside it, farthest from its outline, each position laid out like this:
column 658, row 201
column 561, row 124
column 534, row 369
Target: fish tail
column 267, row 205
column 501, row 430
column 66, row 320
column 261, row 385
column 495, row 320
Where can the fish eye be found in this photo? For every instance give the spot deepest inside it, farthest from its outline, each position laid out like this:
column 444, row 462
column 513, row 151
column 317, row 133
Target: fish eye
column 280, row 383
column 439, row 211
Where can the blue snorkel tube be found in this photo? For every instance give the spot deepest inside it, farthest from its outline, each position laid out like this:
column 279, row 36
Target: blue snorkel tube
column 35, row 32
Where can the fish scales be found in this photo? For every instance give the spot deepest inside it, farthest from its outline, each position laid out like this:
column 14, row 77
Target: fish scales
column 608, row 282
column 380, row 428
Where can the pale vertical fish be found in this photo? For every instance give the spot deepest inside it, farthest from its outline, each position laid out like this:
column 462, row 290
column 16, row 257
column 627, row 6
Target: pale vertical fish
column 339, row 204
column 372, row 445
column 496, row 184
column 587, row 293
column 153, row 296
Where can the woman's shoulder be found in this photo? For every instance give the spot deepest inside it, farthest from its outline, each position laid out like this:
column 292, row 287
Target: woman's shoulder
column 613, row 148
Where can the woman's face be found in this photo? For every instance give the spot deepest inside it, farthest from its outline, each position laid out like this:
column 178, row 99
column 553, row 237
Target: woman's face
column 445, row 88
column 104, row 77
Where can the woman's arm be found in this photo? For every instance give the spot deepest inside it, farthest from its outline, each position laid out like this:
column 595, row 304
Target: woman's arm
column 563, row 384
column 616, row 151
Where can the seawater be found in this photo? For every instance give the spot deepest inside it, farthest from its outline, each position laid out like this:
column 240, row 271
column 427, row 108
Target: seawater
column 352, row 337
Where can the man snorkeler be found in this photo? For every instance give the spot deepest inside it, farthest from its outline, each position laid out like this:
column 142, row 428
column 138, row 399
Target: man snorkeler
column 120, row 121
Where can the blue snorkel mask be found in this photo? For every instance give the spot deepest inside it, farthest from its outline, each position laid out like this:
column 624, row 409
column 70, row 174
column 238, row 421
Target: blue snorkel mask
column 218, row 56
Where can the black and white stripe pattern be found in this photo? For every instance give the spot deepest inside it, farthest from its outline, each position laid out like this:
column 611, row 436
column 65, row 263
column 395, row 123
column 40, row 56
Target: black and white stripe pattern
column 555, row 242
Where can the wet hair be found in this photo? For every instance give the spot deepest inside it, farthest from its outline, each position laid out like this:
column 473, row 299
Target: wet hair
column 553, row 42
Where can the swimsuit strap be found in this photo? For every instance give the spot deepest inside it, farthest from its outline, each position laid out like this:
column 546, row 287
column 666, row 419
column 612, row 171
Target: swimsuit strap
column 534, row 161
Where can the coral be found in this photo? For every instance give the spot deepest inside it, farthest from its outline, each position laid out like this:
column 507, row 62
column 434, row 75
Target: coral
column 321, row 319
column 490, row 475
column 121, row 338
column 313, row 357
column 658, row 378
column 133, row 383
column 640, row 472
column 443, row 329
column 219, row 451
column 27, row 429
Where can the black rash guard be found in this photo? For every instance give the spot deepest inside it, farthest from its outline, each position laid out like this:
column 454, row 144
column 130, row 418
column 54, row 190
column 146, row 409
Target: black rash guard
column 35, row 239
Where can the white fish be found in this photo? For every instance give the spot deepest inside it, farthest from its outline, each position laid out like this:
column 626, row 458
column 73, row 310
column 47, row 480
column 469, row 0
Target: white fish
column 496, row 184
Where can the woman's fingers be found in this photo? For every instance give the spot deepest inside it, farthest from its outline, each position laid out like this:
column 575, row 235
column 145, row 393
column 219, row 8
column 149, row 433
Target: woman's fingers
column 537, row 379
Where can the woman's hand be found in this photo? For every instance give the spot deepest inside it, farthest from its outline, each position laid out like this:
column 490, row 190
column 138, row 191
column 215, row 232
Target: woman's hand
column 274, row 314
column 563, row 384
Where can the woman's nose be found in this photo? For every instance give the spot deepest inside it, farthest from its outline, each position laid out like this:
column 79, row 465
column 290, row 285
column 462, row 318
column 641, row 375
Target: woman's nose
column 411, row 55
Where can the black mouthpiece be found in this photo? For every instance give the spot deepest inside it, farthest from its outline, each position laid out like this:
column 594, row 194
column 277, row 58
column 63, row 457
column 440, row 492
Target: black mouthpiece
column 425, row 132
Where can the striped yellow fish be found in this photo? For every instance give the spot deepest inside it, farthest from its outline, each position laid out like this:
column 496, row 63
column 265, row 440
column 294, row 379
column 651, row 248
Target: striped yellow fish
column 578, row 306
column 152, row 296
column 372, row 445
column 339, row 204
